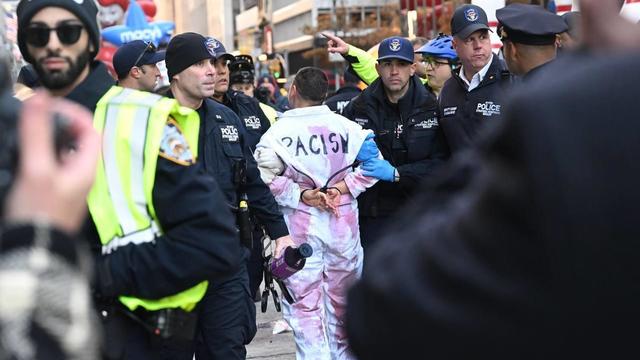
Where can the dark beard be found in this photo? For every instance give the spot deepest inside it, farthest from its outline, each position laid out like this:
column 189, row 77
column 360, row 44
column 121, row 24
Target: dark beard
column 60, row 79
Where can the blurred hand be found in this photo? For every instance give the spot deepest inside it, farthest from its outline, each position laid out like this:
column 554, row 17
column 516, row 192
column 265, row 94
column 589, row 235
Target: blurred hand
column 604, row 29
column 336, row 45
column 281, row 244
column 48, row 189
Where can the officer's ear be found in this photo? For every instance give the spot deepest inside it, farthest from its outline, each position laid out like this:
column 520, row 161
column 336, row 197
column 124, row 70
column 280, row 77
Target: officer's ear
column 134, row 72
column 511, row 50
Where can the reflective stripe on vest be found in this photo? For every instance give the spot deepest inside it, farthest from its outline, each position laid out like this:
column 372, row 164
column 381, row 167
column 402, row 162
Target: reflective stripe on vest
column 121, row 201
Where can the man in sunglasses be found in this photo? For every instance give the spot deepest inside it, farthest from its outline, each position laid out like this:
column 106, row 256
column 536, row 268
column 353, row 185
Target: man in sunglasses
column 135, row 64
column 156, row 238
column 61, row 39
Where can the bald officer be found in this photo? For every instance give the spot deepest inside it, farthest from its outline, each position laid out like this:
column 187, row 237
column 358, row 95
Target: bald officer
column 528, row 33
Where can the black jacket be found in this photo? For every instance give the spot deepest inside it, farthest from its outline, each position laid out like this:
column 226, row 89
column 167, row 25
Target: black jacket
column 224, row 143
column 199, row 240
column 538, row 257
column 465, row 113
column 251, row 115
column 94, row 86
column 339, row 101
column 409, row 137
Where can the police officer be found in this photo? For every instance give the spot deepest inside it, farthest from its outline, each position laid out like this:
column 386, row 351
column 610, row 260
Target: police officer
column 339, row 101
column 135, row 64
column 404, row 118
column 155, row 237
column 528, row 34
column 242, row 79
column 247, row 108
column 570, row 270
column 227, row 316
column 256, row 123
column 363, row 63
column 476, row 91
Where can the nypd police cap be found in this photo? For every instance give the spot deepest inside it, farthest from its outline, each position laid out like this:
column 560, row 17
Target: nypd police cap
column 221, row 52
column 529, row 24
column 395, row 47
column 468, row 19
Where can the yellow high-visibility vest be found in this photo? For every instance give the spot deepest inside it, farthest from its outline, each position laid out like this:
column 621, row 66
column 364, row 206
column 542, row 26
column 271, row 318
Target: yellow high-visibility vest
column 132, row 123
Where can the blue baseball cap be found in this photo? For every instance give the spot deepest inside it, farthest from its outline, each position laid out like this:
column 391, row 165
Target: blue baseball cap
column 395, row 47
column 468, row 19
column 221, row 52
column 135, row 53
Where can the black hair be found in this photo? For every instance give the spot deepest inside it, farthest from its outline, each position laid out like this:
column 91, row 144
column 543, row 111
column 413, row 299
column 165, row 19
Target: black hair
column 312, row 84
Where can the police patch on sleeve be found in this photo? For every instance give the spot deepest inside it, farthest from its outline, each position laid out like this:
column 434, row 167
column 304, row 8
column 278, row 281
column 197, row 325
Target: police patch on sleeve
column 174, row 145
column 252, row 122
column 229, row 133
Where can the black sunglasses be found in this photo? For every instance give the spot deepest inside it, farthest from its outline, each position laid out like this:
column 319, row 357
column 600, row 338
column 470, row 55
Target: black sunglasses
column 151, row 48
column 38, row 35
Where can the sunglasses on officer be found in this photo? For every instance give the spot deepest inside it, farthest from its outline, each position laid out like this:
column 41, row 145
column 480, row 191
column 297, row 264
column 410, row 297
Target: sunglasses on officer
column 150, row 48
column 38, row 35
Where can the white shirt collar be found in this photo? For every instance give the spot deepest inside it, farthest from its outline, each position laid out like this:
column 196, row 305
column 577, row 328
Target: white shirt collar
column 477, row 78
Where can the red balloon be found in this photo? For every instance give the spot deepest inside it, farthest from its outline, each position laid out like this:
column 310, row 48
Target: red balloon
column 149, row 8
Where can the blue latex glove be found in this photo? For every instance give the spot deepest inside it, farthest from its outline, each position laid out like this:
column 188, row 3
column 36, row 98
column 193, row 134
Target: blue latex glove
column 379, row 169
column 368, row 150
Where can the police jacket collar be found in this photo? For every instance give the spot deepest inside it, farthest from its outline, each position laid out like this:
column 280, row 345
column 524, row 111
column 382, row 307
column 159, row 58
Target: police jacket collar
column 495, row 72
column 94, row 86
column 537, row 70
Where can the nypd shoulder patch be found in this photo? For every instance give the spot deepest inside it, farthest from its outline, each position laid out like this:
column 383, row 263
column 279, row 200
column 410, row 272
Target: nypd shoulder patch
column 174, row 145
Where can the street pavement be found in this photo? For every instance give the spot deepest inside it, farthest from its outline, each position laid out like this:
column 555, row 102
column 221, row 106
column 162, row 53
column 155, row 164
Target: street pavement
column 265, row 345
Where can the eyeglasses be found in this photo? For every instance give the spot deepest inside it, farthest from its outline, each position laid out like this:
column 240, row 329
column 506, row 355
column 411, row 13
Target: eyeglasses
column 433, row 62
column 151, row 48
column 38, row 35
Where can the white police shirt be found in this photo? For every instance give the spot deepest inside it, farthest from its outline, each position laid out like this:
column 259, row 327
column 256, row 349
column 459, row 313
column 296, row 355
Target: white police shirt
column 477, row 78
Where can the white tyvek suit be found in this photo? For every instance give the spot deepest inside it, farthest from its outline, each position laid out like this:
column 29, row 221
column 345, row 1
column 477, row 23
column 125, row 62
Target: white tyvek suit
column 314, row 144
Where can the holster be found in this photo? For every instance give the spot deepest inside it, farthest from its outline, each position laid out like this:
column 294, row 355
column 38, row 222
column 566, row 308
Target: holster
column 245, row 225
column 169, row 323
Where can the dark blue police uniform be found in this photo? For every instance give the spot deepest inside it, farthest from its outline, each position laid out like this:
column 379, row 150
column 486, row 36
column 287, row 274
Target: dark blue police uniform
column 251, row 116
column 227, row 312
column 464, row 113
column 409, row 137
column 255, row 124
